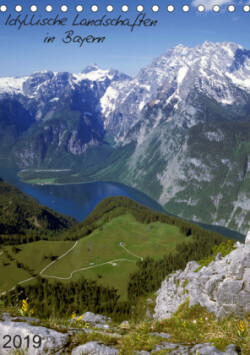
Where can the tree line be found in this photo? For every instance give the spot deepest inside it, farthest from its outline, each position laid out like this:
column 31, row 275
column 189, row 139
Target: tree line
column 60, row 300
column 151, row 273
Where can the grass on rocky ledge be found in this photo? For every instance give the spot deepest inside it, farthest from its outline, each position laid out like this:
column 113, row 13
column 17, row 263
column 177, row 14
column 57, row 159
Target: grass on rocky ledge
column 188, row 326
column 195, row 325
column 224, row 248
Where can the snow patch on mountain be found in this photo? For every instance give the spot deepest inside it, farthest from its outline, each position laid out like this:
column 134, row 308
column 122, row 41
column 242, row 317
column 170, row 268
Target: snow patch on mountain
column 108, row 100
column 213, row 69
column 96, row 75
column 12, row 85
column 181, row 74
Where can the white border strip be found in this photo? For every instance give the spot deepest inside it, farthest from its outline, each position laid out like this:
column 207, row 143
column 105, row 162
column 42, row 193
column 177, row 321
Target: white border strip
column 124, row 8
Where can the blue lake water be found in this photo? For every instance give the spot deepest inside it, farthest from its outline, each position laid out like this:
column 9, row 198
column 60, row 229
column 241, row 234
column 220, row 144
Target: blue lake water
column 76, row 200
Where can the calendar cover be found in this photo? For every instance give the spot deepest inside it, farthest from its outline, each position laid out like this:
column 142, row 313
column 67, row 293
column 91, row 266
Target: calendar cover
column 124, row 177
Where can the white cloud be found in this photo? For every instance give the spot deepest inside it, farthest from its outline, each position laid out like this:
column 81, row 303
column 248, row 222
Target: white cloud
column 210, row 3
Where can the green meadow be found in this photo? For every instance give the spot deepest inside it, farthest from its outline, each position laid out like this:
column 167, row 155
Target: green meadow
column 33, row 255
column 108, row 255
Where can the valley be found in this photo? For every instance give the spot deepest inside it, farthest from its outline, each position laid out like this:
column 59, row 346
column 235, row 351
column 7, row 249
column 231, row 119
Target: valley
column 75, row 199
column 167, row 132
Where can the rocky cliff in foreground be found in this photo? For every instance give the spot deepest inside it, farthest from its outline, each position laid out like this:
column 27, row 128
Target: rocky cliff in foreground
column 223, row 287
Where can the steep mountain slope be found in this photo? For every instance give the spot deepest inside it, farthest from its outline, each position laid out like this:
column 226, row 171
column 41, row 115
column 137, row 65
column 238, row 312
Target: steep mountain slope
column 178, row 131
column 217, row 70
column 65, row 109
column 192, row 139
column 14, row 120
column 22, row 216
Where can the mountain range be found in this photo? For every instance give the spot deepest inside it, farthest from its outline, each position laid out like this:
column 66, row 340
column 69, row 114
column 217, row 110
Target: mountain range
column 178, row 131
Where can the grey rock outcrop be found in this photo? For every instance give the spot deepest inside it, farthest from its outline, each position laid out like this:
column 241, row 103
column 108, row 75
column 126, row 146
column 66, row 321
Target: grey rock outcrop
column 179, row 349
column 161, row 335
column 19, row 332
column 92, row 318
column 223, row 287
column 203, row 349
column 94, row 348
column 24, row 333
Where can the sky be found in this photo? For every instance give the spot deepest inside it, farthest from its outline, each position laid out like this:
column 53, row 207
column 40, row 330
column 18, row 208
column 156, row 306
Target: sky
column 23, row 51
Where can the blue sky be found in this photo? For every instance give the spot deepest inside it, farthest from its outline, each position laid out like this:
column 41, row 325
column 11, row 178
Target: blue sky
column 23, row 51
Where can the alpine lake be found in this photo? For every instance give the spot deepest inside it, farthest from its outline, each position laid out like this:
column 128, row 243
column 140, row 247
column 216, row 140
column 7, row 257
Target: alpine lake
column 79, row 199
column 76, row 200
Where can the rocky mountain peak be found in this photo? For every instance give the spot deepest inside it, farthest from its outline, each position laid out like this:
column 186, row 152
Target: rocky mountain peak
column 46, row 73
column 217, row 70
column 90, row 68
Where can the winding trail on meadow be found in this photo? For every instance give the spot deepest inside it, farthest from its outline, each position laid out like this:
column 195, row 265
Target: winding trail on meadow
column 87, row 268
column 74, row 271
column 90, row 267
column 129, row 252
column 41, row 272
column 31, row 278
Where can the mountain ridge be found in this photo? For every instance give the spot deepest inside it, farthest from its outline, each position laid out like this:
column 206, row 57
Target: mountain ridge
column 168, row 131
